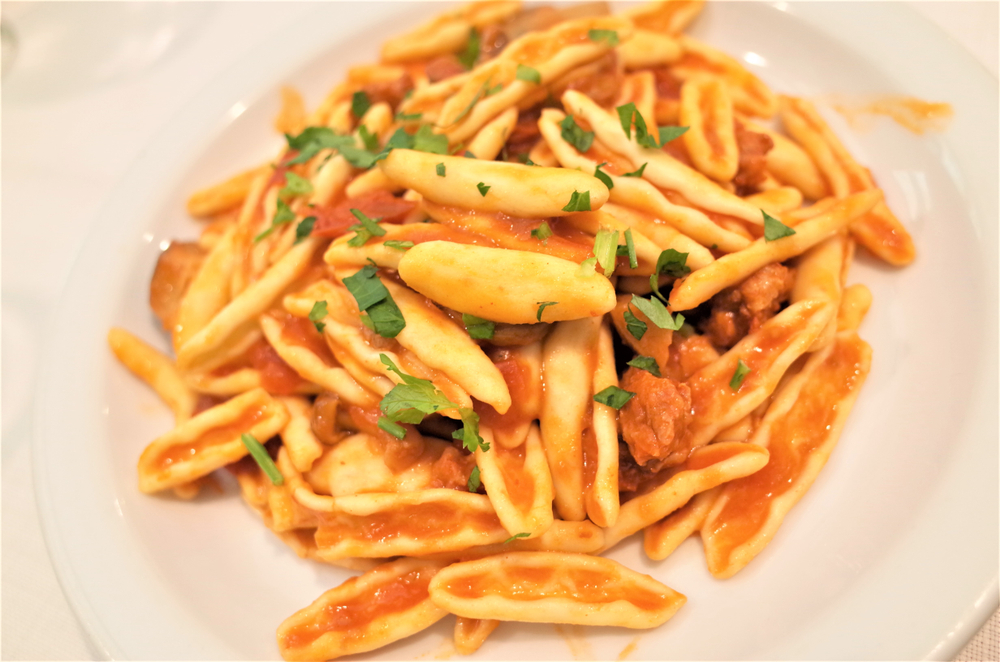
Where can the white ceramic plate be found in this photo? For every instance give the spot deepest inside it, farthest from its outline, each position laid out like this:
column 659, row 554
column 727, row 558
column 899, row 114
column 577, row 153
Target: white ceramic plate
column 892, row 555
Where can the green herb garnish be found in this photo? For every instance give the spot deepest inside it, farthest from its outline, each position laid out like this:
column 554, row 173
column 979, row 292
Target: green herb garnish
column 578, row 202
column 572, row 133
column 440, row 169
column 263, row 460
column 473, row 484
column 614, row 397
column 528, row 74
column 542, row 232
column 647, row 363
column 317, row 313
column 609, row 36
column 606, row 250
column 364, row 230
column 478, row 328
column 483, row 189
column 542, row 305
column 775, row 229
column 739, row 375
column 360, row 103
column 657, row 313
column 603, row 176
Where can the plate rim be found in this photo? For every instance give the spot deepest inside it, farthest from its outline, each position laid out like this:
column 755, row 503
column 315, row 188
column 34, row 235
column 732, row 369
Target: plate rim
column 198, row 122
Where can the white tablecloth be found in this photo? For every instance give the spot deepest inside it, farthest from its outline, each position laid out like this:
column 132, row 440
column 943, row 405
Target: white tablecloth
column 87, row 88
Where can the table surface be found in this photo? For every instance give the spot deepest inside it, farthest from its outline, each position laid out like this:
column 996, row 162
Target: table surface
column 88, row 86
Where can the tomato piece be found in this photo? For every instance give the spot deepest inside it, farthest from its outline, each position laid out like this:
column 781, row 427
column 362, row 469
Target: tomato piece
column 333, row 222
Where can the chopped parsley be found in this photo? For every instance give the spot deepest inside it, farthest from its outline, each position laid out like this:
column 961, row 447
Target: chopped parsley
column 473, row 484
column 470, row 53
column 647, row 363
column 542, row 232
column 304, row 228
column 606, row 250
column 603, row 176
column 634, row 325
column 672, row 263
column 629, row 114
column 636, row 173
column 360, row 103
column 542, row 305
column 408, row 117
column 316, row 315
column 395, row 429
column 633, row 259
column 440, row 169
column 528, row 74
column 578, row 202
column 614, row 397
column 668, row 133
column 483, row 189
column 658, row 313
column 369, row 139
column 399, row 245
column 739, row 375
column 374, row 300
column 573, row 134
column 609, row 36
column 364, row 230
column 477, row 327
column 282, row 216
column 775, row 229
column 263, row 460
column 516, row 536
column 295, row 185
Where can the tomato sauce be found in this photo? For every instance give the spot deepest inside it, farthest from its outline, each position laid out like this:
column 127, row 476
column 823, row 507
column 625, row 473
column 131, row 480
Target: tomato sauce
column 356, row 613
column 794, row 437
column 517, row 376
column 378, row 205
column 519, row 482
column 276, row 376
column 301, row 332
column 215, row 437
column 582, row 585
column 430, row 522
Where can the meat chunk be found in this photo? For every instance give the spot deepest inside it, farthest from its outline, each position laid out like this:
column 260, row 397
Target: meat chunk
column 753, row 149
column 655, row 420
column 392, row 92
column 443, row 67
column 323, row 421
column 491, row 42
column 176, row 268
column 451, row 471
column 739, row 310
column 688, row 356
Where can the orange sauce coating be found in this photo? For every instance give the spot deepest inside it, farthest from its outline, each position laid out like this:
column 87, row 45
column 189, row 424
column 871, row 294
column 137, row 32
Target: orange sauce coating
column 424, row 521
column 356, row 612
column 914, row 115
column 537, row 51
column 520, row 486
column 794, row 437
column 301, row 332
column 517, row 376
column 214, row 437
column 712, row 454
column 536, row 583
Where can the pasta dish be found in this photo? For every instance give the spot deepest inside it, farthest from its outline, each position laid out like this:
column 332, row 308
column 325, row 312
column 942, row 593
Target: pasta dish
column 538, row 280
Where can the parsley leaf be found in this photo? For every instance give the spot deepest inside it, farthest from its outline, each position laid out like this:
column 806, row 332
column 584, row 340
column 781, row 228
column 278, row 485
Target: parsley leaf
column 775, row 229
column 614, row 397
column 364, row 230
column 587, row 268
column 647, row 363
column 657, row 313
column 283, row 215
column 578, row 202
column 528, row 74
column 395, row 429
column 636, row 173
column 304, row 228
column 603, row 176
column 606, row 250
column 473, row 484
column 477, row 327
column 374, row 299
column 739, row 375
column 634, row 325
column 412, row 400
column 440, row 169
column 295, row 185
column 633, row 259
column 483, row 189
column 360, row 103
column 408, row 117
column 516, row 536
column 263, row 460
column 572, row 133
column 469, row 434
column 628, row 114
column 668, row 133
column 425, row 140
column 542, row 305
column 470, row 54
column 317, row 313
column 542, row 232
column 670, row 262
column 399, row 245
column 369, row 139
column 609, row 36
